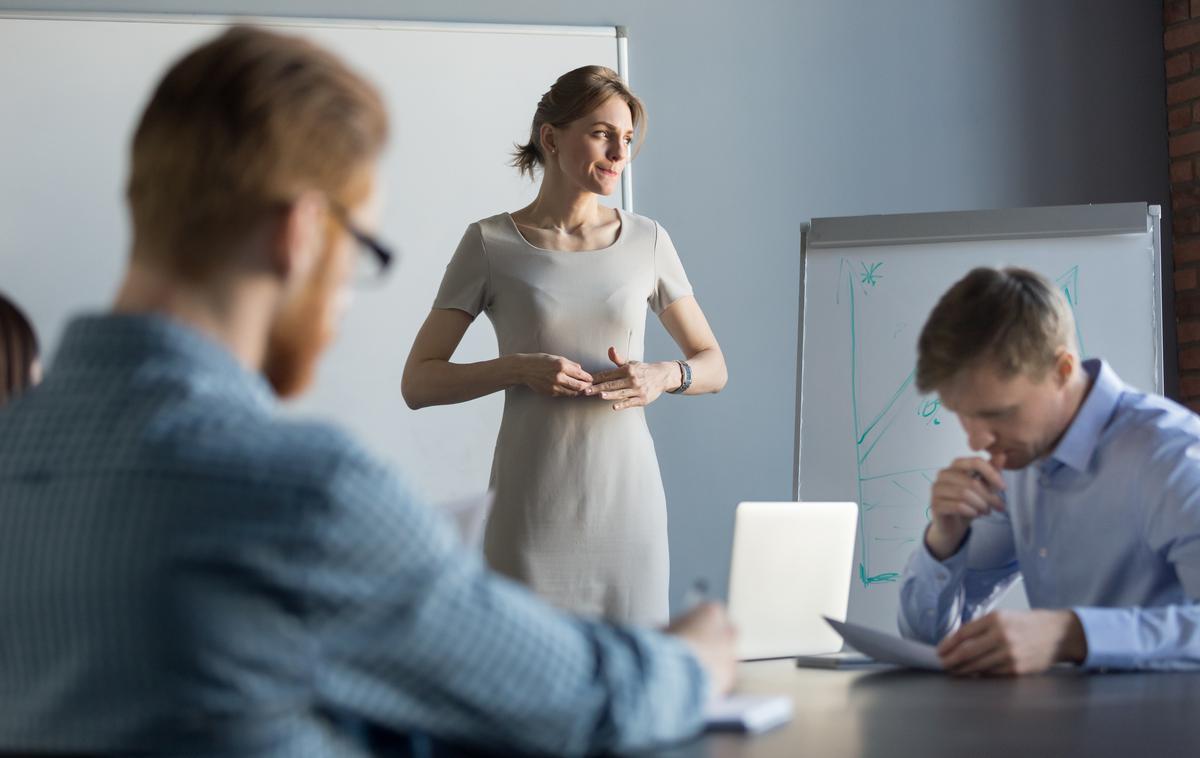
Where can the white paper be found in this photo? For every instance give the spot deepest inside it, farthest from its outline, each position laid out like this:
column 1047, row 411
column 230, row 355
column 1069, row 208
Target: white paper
column 888, row 648
column 470, row 515
column 748, row 713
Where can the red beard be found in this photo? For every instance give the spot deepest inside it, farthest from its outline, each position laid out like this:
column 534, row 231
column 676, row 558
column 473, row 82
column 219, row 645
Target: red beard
column 292, row 352
column 300, row 334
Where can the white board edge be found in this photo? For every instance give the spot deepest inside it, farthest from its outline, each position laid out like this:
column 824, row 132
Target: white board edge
column 978, row 225
column 313, row 22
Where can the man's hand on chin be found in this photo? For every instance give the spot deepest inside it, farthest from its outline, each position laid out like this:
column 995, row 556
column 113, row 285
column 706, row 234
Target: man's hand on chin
column 1009, row 643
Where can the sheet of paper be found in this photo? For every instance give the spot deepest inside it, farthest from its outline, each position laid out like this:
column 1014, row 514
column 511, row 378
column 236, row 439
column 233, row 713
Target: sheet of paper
column 886, row 647
column 470, row 516
column 748, row 713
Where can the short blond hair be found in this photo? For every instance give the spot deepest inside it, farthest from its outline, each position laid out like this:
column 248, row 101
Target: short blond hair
column 238, row 127
column 1012, row 319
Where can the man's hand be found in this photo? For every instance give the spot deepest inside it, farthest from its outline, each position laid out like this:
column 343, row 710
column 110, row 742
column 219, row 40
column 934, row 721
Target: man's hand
column 967, row 489
column 1008, row 643
column 710, row 634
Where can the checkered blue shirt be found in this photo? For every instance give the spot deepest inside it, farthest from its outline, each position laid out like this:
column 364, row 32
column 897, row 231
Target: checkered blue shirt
column 184, row 571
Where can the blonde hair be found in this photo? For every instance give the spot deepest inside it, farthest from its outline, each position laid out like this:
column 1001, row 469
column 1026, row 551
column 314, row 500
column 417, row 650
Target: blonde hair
column 239, row 127
column 574, row 95
column 1012, row 319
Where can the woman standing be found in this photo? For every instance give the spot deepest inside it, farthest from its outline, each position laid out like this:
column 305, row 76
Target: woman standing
column 20, row 368
column 580, row 513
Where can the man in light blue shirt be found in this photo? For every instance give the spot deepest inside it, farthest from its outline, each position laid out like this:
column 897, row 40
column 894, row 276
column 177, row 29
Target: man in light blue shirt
column 1090, row 492
column 185, row 570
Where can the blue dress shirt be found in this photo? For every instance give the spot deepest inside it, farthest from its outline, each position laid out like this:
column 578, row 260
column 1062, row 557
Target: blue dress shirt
column 184, row 571
column 1108, row 525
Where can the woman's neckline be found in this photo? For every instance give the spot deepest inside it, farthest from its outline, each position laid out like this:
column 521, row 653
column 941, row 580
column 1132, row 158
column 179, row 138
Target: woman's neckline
column 620, row 236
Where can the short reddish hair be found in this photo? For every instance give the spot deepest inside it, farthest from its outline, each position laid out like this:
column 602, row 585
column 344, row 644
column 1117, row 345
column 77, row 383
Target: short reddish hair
column 238, row 127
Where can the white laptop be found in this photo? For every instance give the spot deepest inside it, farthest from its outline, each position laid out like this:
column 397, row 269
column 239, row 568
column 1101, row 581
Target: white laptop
column 791, row 565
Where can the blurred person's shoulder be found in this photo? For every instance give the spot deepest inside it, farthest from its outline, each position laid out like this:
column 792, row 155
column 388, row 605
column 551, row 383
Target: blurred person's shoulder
column 268, row 450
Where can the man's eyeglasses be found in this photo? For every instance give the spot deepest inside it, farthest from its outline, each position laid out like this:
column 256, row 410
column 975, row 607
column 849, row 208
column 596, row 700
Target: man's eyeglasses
column 377, row 258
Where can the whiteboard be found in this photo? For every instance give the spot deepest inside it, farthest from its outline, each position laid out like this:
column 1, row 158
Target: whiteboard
column 864, row 433
column 459, row 96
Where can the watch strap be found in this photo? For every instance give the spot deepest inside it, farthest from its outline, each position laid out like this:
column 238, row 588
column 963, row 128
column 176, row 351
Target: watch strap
column 685, row 374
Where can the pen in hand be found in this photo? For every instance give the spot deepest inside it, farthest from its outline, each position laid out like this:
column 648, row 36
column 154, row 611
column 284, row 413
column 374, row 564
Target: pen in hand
column 999, row 502
column 696, row 595
column 706, row 627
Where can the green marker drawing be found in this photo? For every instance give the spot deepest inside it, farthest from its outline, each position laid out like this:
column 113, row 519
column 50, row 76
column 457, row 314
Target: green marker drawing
column 1069, row 284
column 870, row 274
column 863, row 445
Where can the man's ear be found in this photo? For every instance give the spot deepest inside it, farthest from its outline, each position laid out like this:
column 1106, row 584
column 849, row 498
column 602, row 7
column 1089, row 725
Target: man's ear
column 296, row 242
column 1064, row 366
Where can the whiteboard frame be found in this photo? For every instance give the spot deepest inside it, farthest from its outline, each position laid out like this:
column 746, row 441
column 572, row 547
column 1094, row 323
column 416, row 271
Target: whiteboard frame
column 955, row 226
column 623, row 72
column 619, row 34
column 221, row 19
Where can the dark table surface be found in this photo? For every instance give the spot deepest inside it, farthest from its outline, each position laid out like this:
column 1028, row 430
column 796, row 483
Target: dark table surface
column 899, row 713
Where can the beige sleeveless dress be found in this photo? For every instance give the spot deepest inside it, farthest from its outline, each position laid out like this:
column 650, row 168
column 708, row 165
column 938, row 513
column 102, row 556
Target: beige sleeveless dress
column 580, row 513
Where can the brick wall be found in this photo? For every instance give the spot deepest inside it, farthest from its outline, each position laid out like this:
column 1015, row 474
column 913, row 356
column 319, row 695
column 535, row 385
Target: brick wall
column 1181, row 40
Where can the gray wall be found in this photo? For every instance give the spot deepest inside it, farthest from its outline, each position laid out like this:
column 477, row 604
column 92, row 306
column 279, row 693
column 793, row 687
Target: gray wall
column 764, row 114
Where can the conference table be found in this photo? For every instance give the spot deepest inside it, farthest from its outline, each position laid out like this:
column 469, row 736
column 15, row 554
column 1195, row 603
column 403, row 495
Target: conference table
column 884, row 711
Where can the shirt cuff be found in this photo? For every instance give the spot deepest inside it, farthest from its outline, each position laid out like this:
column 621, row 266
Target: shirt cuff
column 942, row 573
column 929, row 593
column 1109, row 632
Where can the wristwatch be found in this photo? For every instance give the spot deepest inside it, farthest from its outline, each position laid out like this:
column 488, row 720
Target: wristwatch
column 685, row 374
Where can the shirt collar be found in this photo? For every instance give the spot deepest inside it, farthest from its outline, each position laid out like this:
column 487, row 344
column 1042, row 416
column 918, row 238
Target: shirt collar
column 122, row 341
column 1078, row 444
